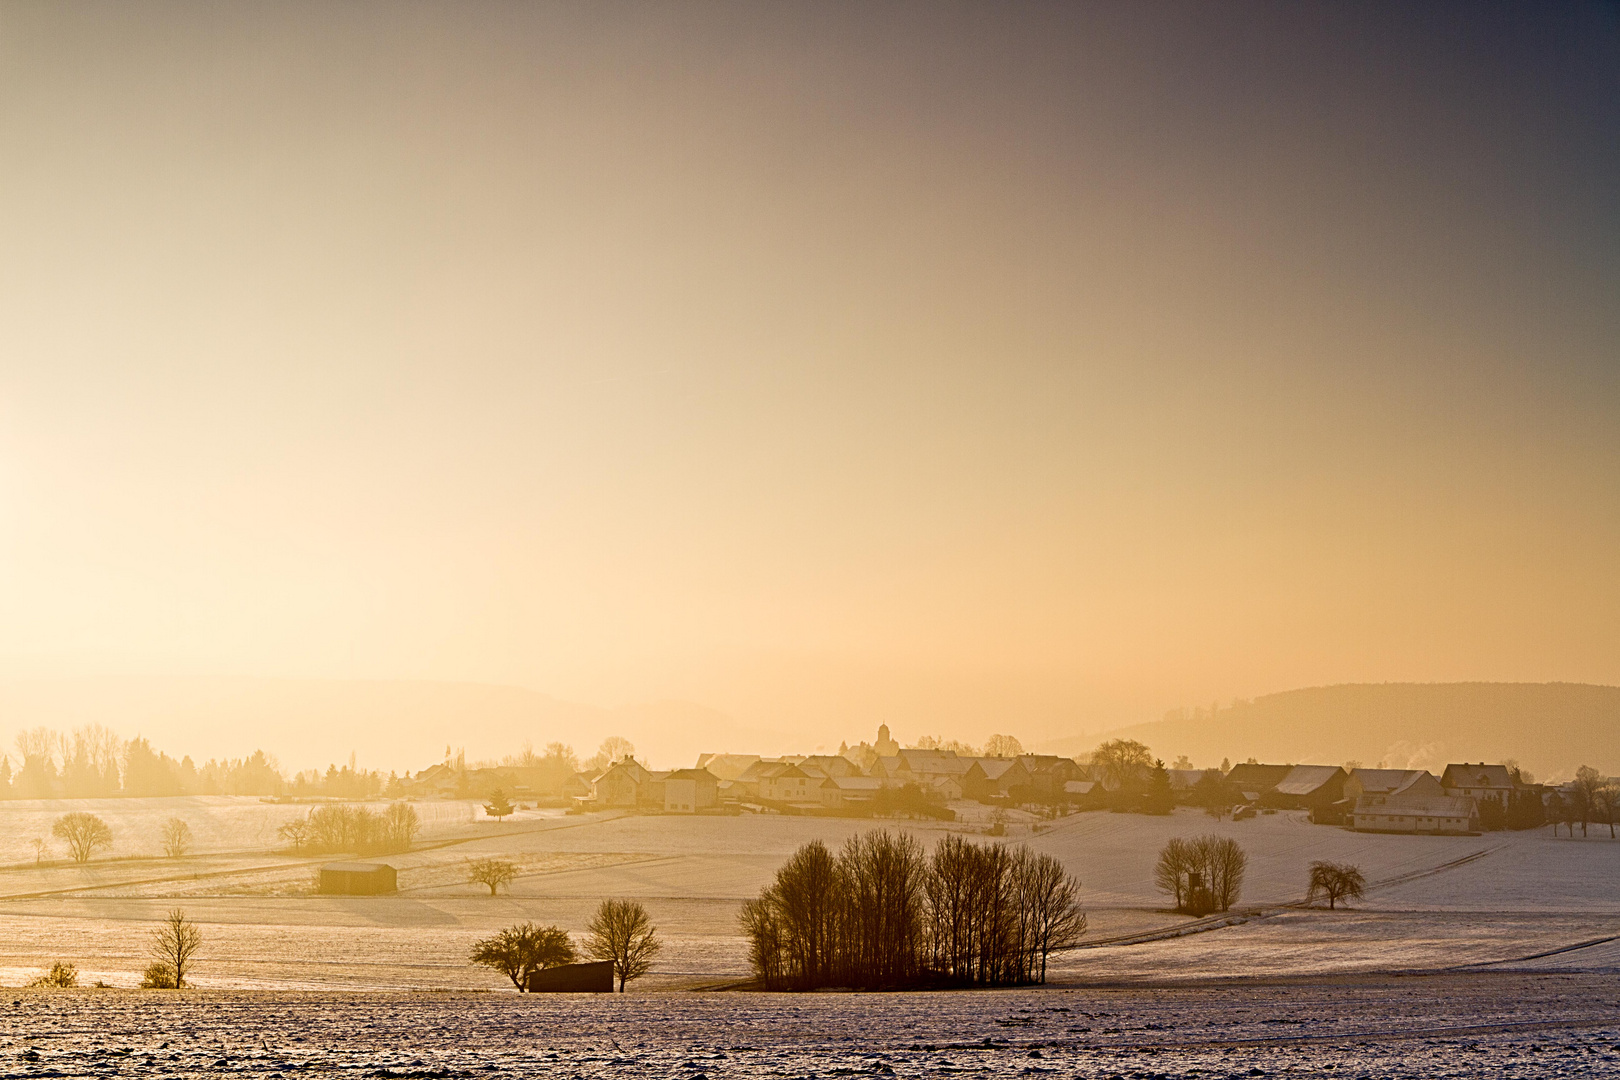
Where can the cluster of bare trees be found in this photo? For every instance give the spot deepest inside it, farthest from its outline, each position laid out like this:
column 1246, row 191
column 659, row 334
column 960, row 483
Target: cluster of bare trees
column 883, row 914
column 340, row 828
column 620, row 931
column 1590, row 799
column 1203, row 874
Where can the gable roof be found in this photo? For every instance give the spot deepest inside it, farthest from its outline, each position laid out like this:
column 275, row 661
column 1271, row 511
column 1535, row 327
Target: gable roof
column 1390, row 781
column 1308, row 779
column 1416, row 805
column 726, row 766
column 1495, row 777
column 993, row 768
column 1261, row 778
column 830, row 764
column 699, row 775
column 939, row 762
column 853, row 783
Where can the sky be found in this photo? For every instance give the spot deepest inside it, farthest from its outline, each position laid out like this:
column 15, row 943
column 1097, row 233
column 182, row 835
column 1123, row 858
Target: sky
column 971, row 367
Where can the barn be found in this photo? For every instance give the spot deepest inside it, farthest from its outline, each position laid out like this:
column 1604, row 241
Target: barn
column 358, row 879
column 595, row 978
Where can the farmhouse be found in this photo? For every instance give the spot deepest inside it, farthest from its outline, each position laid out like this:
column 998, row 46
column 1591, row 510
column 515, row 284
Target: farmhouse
column 1391, row 782
column 791, row 784
column 1480, row 781
column 357, row 879
column 987, row 778
column 687, row 791
column 847, row 792
column 621, row 785
column 1307, row 787
column 1415, row 814
column 1255, row 781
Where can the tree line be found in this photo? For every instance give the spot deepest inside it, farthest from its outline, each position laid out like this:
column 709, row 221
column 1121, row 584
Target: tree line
column 882, row 914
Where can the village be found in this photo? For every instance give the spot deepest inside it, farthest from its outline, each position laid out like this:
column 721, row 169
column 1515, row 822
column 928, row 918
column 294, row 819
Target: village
column 883, row 779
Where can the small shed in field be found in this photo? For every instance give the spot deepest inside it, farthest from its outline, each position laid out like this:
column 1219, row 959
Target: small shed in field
column 358, row 879
column 594, row 978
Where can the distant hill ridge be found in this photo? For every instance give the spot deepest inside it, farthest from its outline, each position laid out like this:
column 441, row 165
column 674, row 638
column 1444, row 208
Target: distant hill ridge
column 1549, row 728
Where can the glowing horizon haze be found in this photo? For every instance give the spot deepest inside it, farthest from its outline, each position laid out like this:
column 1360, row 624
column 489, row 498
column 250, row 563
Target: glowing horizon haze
column 1031, row 368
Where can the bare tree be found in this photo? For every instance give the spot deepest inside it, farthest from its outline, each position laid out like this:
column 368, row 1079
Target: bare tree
column 1204, row 874
column 1002, row 746
column 519, row 951
column 1170, row 873
column 83, row 833
column 1606, row 804
column 1051, row 898
column 401, row 823
column 614, row 748
column 176, row 838
column 174, row 943
column 621, row 932
column 1224, row 865
column 491, row 872
column 1588, row 783
column 41, row 847
column 1122, row 762
column 1336, row 881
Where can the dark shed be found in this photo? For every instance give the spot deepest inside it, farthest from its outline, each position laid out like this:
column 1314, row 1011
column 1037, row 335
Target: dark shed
column 358, row 879
column 595, row 978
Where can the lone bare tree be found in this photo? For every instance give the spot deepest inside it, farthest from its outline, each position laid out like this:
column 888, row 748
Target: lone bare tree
column 83, row 833
column 491, row 872
column 176, row 838
column 621, row 932
column 1336, row 881
column 401, row 824
column 1120, row 761
column 519, row 951
column 174, row 943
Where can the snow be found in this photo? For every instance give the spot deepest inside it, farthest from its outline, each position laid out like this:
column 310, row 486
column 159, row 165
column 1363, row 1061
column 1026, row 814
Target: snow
column 1435, row 902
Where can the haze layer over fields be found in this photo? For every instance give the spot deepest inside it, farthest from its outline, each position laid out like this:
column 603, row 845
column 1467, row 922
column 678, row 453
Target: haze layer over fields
column 968, row 368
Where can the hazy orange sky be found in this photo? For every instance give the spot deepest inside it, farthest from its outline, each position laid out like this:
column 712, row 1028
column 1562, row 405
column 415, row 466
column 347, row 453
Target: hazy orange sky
column 1028, row 368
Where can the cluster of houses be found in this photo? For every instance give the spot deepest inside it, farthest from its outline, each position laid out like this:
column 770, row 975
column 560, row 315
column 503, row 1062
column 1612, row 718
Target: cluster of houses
column 922, row 781
column 1376, row 800
column 884, row 778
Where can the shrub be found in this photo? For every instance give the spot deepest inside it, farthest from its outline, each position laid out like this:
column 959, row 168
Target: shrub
column 60, row 975
column 158, row 976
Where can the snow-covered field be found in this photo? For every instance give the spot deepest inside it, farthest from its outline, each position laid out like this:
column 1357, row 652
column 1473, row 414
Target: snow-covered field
column 1522, row 901
column 1426, row 1027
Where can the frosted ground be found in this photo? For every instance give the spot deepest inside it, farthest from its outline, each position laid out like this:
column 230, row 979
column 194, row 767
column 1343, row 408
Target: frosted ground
column 1471, row 956
column 1492, row 902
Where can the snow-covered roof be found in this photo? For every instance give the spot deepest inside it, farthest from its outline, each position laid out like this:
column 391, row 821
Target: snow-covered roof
column 1306, row 779
column 1417, row 805
column 993, row 768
